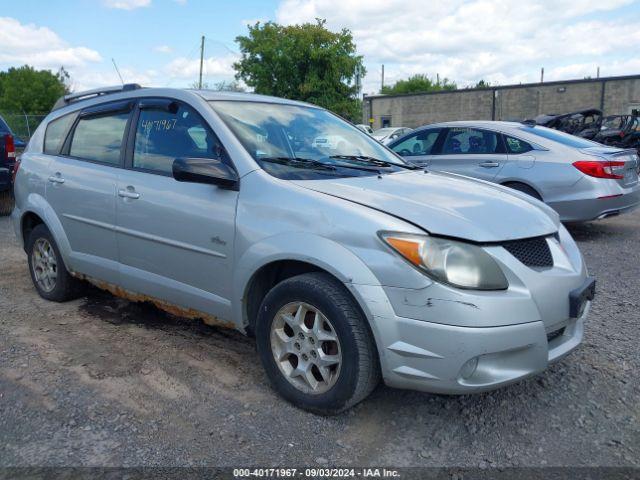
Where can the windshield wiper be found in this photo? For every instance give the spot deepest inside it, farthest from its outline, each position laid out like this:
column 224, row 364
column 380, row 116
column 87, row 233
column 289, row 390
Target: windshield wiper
column 377, row 161
column 298, row 162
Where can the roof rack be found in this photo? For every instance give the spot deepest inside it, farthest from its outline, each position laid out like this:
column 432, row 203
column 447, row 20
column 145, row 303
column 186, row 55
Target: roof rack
column 529, row 122
column 96, row 92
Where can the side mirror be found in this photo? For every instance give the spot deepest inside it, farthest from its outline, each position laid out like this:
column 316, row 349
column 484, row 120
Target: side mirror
column 205, row 170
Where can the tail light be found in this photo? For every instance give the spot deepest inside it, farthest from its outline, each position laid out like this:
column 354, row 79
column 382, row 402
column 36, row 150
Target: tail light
column 16, row 166
column 600, row 169
column 9, row 147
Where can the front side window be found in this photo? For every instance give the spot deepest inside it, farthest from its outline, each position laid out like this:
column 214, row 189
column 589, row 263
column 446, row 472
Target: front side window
column 420, row 143
column 55, row 133
column 163, row 135
column 465, row 140
column 515, row 145
column 99, row 138
column 300, row 142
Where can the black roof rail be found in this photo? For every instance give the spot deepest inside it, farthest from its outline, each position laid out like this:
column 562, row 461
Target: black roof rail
column 76, row 97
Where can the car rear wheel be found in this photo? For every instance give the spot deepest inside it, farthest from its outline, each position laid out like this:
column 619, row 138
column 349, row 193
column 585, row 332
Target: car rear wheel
column 315, row 344
column 48, row 271
column 6, row 203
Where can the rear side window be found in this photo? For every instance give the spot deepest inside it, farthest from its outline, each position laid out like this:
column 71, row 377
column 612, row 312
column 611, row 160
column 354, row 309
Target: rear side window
column 55, row 134
column 560, row 137
column 470, row 141
column 420, row 143
column 162, row 136
column 515, row 145
column 99, row 139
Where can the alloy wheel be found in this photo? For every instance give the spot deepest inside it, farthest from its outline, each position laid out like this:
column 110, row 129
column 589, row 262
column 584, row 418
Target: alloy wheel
column 44, row 264
column 306, row 348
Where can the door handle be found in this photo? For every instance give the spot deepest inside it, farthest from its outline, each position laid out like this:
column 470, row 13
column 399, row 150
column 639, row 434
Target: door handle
column 57, row 178
column 489, row 164
column 128, row 194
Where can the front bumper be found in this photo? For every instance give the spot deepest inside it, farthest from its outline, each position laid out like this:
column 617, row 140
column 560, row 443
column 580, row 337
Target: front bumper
column 448, row 359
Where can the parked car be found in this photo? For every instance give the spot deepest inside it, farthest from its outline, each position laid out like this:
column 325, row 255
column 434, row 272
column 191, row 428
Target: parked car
column 346, row 268
column 388, row 134
column 8, row 144
column 365, row 128
column 580, row 179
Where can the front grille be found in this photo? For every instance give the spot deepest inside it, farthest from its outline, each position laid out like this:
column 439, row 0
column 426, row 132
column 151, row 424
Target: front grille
column 533, row 252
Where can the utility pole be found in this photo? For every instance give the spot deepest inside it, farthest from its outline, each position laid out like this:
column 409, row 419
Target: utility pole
column 382, row 79
column 598, row 73
column 201, row 61
column 542, row 75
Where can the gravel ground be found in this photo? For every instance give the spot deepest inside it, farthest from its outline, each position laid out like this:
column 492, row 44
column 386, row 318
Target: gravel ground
column 104, row 382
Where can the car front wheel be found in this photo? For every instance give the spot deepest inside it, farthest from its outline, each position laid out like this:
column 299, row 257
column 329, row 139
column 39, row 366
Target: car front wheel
column 315, row 344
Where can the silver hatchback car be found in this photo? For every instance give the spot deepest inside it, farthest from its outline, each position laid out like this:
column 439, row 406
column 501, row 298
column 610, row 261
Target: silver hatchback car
column 347, row 266
column 580, row 179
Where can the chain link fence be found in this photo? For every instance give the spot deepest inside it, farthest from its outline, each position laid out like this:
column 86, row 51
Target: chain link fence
column 23, row 125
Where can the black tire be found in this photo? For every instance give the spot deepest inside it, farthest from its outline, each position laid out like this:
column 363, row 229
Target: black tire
column 6, row 203
column 359, row 372
column 521, row 187
column 66, row 287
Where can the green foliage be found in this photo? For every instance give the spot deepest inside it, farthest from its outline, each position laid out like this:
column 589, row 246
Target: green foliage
column 482, row 84
column 417, row 84
column 302, row 62
column 30, row 91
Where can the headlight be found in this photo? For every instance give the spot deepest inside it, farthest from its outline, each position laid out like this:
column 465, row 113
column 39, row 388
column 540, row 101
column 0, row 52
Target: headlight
column 456, row 263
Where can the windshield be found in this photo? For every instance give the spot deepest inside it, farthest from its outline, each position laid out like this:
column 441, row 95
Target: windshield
column 299, row 142
column 560, row 137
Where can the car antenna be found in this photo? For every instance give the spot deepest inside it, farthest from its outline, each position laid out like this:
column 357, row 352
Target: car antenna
column 117, row 71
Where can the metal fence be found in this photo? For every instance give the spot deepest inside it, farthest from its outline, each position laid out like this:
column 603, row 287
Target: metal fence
column 23, row 125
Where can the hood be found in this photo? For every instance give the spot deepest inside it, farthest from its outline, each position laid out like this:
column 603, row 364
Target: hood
column 448, row 205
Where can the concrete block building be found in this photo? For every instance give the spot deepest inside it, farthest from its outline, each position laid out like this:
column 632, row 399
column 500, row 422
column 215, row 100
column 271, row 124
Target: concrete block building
column 612, row 95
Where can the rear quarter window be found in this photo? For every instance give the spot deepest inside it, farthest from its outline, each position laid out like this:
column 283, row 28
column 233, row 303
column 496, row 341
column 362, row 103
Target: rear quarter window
column 56, row 132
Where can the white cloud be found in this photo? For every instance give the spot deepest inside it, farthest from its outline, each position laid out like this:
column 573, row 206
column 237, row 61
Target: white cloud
column 185, row 68
column 39, row 47
column 163, row 49
column 127, row 4
column 502, row 41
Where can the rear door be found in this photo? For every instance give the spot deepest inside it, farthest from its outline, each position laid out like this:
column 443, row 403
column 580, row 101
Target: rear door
column 474, row 152
column 81, row 185
column 175, row 239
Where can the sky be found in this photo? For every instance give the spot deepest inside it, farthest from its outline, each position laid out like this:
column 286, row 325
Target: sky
column 157, row 42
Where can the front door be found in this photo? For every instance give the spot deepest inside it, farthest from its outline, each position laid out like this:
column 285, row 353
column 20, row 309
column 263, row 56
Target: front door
column 175, row 239
column 472, row 152
column 417, row 147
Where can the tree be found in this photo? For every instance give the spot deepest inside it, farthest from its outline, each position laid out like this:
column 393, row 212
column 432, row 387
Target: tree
column 482, row 84
column 30, row 91
column 302, row 62
column 417, row 84
column 232, row 86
